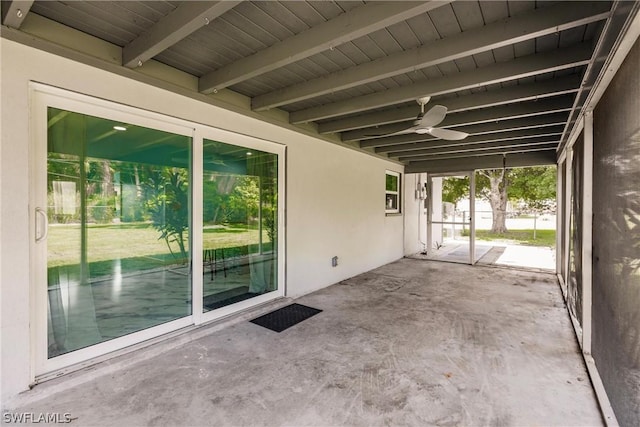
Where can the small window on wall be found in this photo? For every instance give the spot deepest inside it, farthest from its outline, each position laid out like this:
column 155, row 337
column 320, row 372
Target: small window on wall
column 392, row 192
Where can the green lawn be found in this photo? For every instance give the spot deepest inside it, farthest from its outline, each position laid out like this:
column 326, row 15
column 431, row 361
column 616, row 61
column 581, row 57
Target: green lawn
column 522, row 237
column 136, row 244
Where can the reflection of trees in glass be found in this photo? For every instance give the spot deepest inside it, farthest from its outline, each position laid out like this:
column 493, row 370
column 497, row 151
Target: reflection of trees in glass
column 266, row 168
column 169, row 208
column 63, row 172
column 269, row 214
column 239, row 199
column 231, row 199
column 244, row 201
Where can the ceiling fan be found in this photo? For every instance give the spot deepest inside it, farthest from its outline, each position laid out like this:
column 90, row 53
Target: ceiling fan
column 425, row 123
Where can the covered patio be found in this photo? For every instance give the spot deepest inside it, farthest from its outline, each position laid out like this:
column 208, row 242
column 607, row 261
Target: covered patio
column 413, row 342
column 170, row 170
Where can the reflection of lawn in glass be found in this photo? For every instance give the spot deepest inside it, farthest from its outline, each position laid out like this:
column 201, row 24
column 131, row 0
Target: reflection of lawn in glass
column 136, row 244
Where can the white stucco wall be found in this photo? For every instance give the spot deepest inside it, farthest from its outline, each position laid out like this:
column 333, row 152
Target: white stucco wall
column 335, row 196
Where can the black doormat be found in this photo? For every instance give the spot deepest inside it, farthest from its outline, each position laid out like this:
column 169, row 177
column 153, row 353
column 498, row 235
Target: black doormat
column 285, row 317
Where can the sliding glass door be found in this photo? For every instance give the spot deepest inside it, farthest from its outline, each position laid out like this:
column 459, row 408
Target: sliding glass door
column 240, row 227
column 118, row 210
column 144, row 224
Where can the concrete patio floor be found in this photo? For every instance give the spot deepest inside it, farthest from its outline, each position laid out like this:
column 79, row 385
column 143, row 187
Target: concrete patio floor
column 411, row 343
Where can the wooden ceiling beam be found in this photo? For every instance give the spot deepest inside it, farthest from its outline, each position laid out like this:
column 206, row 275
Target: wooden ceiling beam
column 466, row 163
column 188, row 17
column 529, row 135
column 539, row 122
column 374, row 137
column 346, row 27
column 14, row 12
column 508, row 95
column 487, row 146
column 536, row 23
column 526, row 66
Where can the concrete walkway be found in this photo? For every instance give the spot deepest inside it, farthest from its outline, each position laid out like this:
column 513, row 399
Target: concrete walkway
column 411, row 343
column 495, row 253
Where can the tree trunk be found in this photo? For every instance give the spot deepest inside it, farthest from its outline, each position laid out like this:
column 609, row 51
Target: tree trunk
column 107, row 179
column 498, row 199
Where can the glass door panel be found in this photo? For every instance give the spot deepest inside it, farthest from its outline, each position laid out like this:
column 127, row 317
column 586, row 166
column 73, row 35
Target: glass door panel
column 240, row 226
column 118, row 245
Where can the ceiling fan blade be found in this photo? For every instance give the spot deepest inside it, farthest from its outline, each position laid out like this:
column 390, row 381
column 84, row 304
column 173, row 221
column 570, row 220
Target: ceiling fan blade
column 432, row 117
column 448, row 134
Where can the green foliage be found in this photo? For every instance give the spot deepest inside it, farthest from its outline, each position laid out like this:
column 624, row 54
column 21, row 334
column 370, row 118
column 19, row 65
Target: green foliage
column 101, row 209
column 454, row 189
column 244, row 201
column 269, row 216
column 213, row 203
column 169, row 208
column 535, row 186
column 522, row 237
column 483, row 181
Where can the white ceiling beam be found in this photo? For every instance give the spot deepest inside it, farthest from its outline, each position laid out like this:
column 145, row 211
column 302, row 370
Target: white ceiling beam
column 538, row 122
column 14, row 12
column 188, row 17
column 493, row 114
column 537, row 23
column 346, row 27
column 508, row 95
column 525, row 66
column 547, row 157
column 425, row 147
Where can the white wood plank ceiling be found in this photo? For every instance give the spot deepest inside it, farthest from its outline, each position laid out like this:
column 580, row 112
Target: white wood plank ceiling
column 512, row 74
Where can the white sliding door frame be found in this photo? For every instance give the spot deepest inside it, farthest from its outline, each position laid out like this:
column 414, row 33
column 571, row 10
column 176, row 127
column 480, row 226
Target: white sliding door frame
column 43, row 97
column 250, row 143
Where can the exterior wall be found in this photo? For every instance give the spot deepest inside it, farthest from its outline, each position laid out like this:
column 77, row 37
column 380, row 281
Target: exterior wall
column 616, row 240
column 334, row 195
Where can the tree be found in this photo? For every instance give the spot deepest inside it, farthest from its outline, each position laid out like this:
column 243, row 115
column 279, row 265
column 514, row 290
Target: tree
column 536, row 186
column 496, row 194
column 454, row 189
column 491, row 185
column 244, row 200
column 169, row 208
